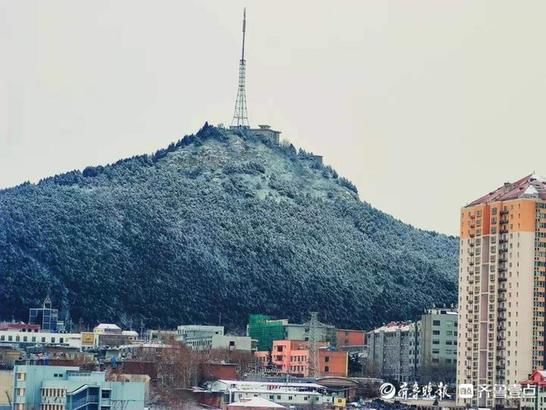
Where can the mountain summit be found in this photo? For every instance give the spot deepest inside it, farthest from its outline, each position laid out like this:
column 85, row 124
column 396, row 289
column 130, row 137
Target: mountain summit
column 223, row 223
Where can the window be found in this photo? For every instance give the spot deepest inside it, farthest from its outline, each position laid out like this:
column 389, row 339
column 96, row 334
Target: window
column 326, row 369
column 435, row 342
column 327, row 359
column 21, row 377
column 105, row 394
column 436, row 332
column 435, row 323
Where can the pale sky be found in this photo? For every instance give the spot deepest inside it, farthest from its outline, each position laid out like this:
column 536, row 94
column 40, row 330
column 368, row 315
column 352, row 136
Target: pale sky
column 424, row 105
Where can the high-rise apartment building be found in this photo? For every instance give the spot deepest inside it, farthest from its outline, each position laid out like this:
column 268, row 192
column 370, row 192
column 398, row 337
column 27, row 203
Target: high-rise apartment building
column 502, row 287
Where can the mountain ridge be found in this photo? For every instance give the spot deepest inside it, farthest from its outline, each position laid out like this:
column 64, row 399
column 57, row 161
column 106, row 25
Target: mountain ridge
column 218, row 220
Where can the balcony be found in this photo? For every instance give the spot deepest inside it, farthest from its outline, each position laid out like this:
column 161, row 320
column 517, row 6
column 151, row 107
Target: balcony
column 502, row 231
column 503, row 249
column 503, row 220
column 503, row 259
column 501, row 289
column 504, row 212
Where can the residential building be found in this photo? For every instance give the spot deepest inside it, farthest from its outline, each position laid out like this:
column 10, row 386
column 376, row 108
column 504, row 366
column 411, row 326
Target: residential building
column 436, row 346
column 46, row 317
column 67, row 388
column 292, row 357
column 502, row 278
column 391, row 351
column 291, row 394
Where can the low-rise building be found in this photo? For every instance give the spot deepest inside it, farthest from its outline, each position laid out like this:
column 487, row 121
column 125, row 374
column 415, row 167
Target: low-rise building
column 289, row 394
column 67, row 388
column 200, row 337
column 23, row 338
column 293, row 357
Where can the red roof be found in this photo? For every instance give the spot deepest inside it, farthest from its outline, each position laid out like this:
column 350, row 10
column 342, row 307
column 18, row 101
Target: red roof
column 538, row 377
column 531, row 186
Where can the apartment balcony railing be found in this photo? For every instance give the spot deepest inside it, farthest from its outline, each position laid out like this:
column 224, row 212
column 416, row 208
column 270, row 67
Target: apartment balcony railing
column 504, row 212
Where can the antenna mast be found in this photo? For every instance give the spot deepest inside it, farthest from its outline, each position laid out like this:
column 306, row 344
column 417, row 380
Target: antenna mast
column 240, row 116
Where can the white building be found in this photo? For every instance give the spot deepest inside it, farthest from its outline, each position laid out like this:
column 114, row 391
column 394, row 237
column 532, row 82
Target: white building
column 281, row 393
column 40, row 338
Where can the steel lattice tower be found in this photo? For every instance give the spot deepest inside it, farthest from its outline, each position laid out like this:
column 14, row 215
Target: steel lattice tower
column 314, row 366
column 240, row 116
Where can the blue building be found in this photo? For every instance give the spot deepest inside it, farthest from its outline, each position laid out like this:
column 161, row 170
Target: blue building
column 68, row 388
column 46, row 316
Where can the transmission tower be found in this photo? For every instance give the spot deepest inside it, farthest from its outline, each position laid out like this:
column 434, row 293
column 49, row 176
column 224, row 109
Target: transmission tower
column 240, row 116
column 314, row 370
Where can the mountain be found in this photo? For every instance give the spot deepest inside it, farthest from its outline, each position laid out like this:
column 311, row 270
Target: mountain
column 221, row 224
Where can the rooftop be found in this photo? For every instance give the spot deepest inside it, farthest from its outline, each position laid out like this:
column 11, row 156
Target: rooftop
column 394, row 326
column 531, row 186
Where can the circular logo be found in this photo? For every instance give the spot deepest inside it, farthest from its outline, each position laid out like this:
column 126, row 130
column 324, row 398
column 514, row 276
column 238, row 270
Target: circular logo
column 387, row 391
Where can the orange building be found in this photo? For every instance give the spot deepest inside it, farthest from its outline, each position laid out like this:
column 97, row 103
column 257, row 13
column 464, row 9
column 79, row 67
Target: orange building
column 349, row 338
column 502, row 275
column 292, row 357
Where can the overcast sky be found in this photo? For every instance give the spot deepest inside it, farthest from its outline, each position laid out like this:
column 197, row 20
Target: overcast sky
column 424, row 105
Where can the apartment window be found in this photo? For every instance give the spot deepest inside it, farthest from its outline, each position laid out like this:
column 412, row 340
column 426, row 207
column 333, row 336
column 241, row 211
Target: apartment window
column 435, row 323
column 21, row 377
column 436, row 332
column 105, row 394
column 435, row 342
column 326, row 369
column 327, row 359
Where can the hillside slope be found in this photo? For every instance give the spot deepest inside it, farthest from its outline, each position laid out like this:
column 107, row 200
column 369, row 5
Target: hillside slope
column 216, row 224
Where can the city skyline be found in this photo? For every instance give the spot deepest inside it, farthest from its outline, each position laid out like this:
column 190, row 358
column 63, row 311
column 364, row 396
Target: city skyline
column 429, row 92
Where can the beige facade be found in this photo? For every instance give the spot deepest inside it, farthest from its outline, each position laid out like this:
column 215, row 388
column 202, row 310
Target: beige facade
column 501, row 287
